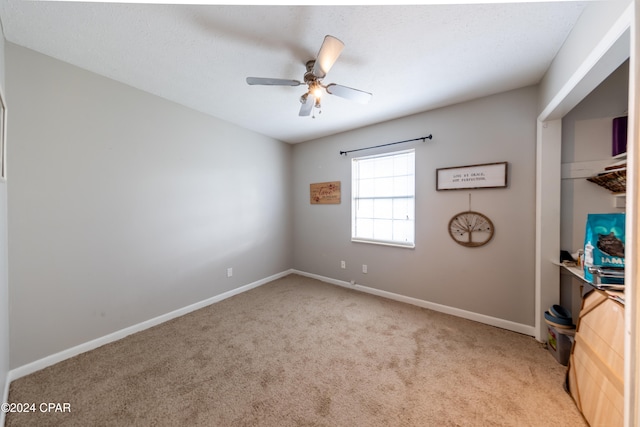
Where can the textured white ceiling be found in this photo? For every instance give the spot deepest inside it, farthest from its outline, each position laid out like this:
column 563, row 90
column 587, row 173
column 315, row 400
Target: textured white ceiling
column 412, row 58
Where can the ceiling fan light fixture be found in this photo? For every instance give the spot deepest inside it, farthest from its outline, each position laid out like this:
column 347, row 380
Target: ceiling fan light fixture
column 316, row 90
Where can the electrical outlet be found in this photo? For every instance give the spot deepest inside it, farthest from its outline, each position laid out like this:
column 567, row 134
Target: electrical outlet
column 364, row 268
column 229, row 272
column 343, row 264
column 619, row 201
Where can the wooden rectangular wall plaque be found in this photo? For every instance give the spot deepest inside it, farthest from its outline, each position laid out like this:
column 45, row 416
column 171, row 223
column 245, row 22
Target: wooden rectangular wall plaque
column 325, row 193
column 488, row 175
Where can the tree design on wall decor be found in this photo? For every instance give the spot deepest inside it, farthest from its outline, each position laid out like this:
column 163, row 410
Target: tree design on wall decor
column 471, row 229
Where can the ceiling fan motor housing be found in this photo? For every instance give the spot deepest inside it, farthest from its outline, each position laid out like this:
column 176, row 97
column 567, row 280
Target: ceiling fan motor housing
column 309, row 77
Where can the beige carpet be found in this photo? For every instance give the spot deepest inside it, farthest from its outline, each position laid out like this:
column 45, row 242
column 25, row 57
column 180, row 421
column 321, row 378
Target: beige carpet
column 300, row 352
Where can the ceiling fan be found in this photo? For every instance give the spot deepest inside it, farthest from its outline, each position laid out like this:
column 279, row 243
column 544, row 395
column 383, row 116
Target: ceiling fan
column 317, row 70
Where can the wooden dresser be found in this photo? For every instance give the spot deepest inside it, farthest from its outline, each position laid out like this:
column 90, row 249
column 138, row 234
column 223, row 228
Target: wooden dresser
column 596, row 364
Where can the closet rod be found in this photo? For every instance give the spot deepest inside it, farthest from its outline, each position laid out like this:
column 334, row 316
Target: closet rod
column 424, row 138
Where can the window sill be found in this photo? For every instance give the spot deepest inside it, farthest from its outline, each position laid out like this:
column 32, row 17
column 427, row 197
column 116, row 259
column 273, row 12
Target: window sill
column 383, row 243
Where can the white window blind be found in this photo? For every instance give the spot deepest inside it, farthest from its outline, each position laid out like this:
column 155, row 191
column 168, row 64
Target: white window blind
column 383, row 198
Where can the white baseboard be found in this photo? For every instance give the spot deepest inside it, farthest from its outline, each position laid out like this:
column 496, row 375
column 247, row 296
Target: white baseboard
column 324, row 279
column 488, row 320
column 98, row 342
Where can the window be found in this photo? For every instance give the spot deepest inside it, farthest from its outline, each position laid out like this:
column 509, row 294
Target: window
column 383, row 199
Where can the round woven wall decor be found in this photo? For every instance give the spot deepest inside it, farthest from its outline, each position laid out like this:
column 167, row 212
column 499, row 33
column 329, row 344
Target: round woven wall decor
column 471, row 229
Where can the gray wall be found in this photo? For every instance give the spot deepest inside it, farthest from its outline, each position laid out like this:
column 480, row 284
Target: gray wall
column 4, row 286
column 124, row 206
column 495, row 280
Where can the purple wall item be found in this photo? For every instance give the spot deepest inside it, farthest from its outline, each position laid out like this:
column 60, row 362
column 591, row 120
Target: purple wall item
column 619, row 140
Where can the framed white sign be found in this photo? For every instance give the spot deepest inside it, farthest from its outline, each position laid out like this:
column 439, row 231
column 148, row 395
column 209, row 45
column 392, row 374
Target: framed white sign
column 488, row 175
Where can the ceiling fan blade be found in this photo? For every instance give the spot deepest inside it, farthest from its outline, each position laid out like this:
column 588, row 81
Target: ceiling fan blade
column 329, row 52
column 272, row 82
column 307, row 106
column 349, row 93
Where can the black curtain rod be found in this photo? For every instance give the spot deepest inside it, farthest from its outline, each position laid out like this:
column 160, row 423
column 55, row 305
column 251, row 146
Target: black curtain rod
column 424, row 138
